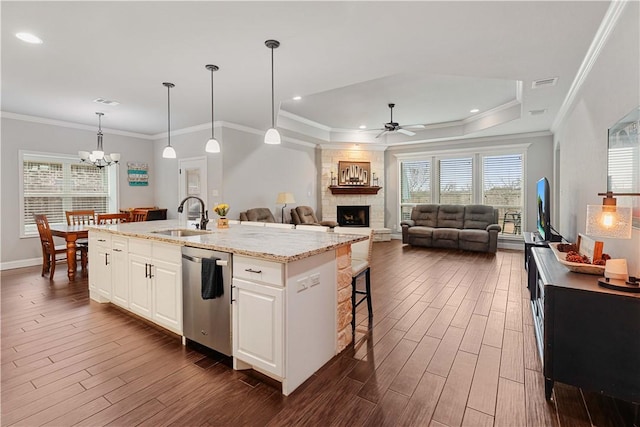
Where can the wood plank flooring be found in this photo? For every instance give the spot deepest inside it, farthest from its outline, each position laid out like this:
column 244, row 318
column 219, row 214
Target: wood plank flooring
column 451, row 343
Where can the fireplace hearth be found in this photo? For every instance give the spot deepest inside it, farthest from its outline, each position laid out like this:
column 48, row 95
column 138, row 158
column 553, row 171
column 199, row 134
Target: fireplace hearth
column 353, row 216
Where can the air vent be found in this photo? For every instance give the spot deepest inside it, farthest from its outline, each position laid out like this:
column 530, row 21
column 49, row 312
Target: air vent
column 544, row 82
column 537, row 112
column 105, row 101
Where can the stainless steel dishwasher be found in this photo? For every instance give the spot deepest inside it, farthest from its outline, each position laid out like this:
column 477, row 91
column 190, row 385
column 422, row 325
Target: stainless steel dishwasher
column 207, row 322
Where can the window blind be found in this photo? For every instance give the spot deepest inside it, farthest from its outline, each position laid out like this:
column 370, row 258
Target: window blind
column 456, row 177
column 415, row 181
column 53, row 185
column 502, row 178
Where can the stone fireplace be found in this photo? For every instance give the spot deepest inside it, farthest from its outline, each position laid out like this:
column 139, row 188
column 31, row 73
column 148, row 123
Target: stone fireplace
column 330, row 159
column 352, row 216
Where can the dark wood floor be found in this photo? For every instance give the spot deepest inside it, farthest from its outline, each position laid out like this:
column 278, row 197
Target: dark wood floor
column 452, row 344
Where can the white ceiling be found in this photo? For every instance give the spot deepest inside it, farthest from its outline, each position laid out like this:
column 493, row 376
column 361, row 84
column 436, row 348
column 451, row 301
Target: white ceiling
column 348, row 60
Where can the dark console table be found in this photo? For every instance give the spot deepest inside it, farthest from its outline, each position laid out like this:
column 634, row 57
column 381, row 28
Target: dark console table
column 588, row 336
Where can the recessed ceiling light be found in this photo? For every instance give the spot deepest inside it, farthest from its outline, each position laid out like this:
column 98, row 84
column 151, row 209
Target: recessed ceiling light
column 105, row 101
column 297, row 98
column 29, row 38
column 475, row 110
column 363, row 127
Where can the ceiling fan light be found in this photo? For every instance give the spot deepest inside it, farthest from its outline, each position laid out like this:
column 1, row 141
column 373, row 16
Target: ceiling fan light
column 213, row 146
column 272, row 136
column 168, row 152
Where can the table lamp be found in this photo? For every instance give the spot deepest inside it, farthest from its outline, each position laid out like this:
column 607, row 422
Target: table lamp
column 612, row 221
column 284, row 198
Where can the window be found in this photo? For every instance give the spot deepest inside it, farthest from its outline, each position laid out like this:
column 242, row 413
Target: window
column 456, row 181
column 502, row 189
column 491, row 176
column 53, row 184
column 416, row 185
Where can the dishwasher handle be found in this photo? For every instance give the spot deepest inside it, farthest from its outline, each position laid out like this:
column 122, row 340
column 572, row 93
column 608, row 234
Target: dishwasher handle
column 199, row 260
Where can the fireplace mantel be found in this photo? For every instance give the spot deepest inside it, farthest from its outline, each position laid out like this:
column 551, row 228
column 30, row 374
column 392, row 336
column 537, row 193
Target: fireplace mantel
column 354, row 189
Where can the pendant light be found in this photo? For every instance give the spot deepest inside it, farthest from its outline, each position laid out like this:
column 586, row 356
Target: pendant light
column 168, row 152
column 272, row 136
column 97, row 156
column 213, row 146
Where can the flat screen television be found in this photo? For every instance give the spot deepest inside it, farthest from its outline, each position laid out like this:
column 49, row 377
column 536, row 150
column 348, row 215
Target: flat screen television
column 544, row 209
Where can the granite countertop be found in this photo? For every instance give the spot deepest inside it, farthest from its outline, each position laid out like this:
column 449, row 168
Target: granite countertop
column 274, row 244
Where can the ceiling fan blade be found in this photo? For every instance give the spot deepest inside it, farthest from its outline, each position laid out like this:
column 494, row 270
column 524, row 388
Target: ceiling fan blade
column 406, row 132
column 381, row 133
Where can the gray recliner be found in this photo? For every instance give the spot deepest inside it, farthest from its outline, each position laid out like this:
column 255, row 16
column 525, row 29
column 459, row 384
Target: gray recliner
column 257, row 215
column 304, row 215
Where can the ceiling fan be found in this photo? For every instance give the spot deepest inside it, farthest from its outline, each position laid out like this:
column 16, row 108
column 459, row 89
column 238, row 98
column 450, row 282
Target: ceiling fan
column 392, row 126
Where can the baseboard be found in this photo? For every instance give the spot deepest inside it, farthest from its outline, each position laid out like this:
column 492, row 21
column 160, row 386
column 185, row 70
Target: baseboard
column 10, row 265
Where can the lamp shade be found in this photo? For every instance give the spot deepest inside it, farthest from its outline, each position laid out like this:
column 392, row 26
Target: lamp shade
column 272, row 136
column 213, row 146
column 285, row 198
column 169, row 152
column 609, row 221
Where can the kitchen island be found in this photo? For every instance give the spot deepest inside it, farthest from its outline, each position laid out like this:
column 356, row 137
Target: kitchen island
column 290, row 299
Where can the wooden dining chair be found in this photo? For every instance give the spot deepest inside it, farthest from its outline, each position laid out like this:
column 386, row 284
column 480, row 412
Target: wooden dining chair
column 81, row 217
column 112, row 218
column 138, row 215
column 50, row 250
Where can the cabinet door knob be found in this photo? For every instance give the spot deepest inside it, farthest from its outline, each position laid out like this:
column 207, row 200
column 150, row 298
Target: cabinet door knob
column 150, row 273
column 106, row 258
column 251, row 270
column 146, row 270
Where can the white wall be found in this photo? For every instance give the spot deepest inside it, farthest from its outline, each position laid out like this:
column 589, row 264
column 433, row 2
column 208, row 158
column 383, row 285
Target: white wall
column 187, row 145
column 538, row 163
column 254, row 173
column 610, row 91
column 24, row 135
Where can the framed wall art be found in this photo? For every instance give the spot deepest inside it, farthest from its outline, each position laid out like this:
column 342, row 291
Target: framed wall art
column 138, row 174
column 354, row 173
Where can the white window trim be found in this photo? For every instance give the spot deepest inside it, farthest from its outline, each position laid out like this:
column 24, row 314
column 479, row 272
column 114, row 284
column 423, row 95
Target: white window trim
column 111, row 174
column 476, row 153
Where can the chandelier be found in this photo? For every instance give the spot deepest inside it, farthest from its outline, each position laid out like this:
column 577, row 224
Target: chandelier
column 97, row 157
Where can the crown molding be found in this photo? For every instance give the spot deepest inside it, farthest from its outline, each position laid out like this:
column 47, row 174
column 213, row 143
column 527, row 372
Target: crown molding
column 464, row 140
column 70, row 125
column 607, row 25
column 359, row 146
column 305, row 121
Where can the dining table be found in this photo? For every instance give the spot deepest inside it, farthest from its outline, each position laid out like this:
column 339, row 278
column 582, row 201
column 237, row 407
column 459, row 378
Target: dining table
column 70, row 233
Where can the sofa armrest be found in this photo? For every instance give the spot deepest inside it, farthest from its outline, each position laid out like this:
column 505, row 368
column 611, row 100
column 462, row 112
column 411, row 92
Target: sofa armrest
column 495, row 227
column 330, row 224
column 405, row 229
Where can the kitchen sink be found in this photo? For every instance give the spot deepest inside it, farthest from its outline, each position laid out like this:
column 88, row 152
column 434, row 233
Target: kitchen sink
column 182, row 232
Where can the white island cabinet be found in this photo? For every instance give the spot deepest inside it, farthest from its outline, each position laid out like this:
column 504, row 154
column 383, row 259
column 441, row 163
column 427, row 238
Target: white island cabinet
column 284, row 316
column 285, row 320
column 155, row 282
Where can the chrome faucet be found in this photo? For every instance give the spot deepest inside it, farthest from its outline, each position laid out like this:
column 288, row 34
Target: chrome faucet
column 204, row 218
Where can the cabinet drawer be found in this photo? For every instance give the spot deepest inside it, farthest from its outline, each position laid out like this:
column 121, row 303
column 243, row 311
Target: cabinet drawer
column 140, row 247
column 167, row 252
column 258, row 270
column 120, row 244
column 100, row 239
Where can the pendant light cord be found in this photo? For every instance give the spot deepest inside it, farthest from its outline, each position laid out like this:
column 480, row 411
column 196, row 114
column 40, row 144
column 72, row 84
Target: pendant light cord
column 169, row 115
column 212, row 134
column 273, row 121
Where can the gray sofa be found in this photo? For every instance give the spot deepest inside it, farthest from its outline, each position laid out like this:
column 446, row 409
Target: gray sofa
column 468, row 227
